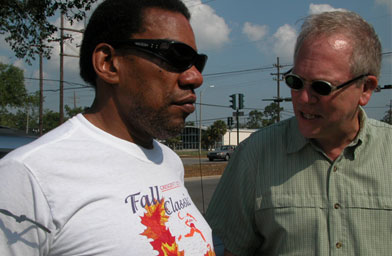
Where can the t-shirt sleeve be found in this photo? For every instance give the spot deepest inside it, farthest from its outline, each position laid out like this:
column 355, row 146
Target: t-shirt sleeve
column 24, row 212
column 231, row 210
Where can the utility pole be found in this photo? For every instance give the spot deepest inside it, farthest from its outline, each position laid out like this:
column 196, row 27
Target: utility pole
column 41, row 94
column 62, row 68
column 278, row 79
column 62, row 54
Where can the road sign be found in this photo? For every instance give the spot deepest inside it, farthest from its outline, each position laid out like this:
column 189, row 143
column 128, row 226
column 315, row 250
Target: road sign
column 239, row 113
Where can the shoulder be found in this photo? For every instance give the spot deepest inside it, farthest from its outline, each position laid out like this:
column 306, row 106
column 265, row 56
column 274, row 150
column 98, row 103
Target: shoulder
column 46, row 141
column 378, row 129
column 378, row 124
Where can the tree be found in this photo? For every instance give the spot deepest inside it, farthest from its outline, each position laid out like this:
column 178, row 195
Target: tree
column 73, row 111
column 214, row 133
column 271, row 113
column 26, row 23
column 17, row 108
column 255, row 120
column 173, row 142
column 388, row 117
column 51, row 120
column 13, row 92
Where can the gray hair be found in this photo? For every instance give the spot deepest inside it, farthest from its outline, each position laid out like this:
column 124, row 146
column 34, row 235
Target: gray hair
column 366, row 55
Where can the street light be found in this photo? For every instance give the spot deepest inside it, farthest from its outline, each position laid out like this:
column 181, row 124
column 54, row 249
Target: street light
column 211, row 86
column 201, row 173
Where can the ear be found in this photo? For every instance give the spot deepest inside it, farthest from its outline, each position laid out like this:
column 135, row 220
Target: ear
column 368, row 88
column 105, row 62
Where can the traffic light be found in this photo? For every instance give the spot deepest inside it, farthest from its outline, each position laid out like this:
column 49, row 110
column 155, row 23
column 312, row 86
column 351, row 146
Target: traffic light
column 229, row 121
column 233, row 101
column 240, row 101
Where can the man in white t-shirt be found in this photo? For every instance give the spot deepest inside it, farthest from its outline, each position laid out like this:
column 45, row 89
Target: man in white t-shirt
column 100, row 184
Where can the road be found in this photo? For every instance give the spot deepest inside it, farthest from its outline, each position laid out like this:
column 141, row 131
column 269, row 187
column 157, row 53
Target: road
column 203, row 160
column 196, row 192
column 194, row 188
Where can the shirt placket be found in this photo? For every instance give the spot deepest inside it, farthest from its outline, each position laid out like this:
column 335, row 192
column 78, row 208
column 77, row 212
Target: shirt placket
column 337, row 223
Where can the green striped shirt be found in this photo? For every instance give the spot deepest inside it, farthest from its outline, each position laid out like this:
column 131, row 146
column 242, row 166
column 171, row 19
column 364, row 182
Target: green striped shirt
column 281, row 195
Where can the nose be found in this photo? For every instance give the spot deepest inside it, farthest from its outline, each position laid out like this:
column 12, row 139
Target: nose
column 191, row 78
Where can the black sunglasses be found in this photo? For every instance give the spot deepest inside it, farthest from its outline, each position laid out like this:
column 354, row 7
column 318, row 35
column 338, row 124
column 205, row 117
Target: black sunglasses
column 179, row 55
column 321, row 87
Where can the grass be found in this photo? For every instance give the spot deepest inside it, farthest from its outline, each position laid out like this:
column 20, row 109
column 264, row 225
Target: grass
column 193, row 153
column 193, row 170
column 206, row 169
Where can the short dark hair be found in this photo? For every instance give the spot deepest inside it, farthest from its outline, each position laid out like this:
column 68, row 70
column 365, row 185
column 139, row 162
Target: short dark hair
column 116, row 20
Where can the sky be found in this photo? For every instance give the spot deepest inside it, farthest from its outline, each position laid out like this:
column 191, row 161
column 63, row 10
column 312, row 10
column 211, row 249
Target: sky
column 243, row 41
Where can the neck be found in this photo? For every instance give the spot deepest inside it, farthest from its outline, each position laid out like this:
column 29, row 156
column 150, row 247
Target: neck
column 334, row 144
column 110, row 121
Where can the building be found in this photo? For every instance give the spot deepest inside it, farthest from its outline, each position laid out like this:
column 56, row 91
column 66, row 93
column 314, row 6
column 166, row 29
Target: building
column 230, row 137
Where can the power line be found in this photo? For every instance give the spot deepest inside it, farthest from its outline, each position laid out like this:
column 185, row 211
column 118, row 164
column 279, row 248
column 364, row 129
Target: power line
column 82, row 86
column 238, row 71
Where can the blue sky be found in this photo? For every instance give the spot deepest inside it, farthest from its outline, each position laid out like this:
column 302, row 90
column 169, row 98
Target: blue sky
column 246, row 36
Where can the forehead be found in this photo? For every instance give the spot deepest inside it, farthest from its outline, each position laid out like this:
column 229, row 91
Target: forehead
column 332, row 52
column 164, row 24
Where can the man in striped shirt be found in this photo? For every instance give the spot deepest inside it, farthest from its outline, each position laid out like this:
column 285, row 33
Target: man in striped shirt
column 320, row 182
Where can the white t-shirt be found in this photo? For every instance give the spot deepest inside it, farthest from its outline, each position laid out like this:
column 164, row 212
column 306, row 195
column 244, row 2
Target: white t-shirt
column 98, row 195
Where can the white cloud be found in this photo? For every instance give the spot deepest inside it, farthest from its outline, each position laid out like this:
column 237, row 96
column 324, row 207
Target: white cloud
column 4, row 60
column 44, row 74
column 3, row 44
column 211, row 30
column 319, row 8
column 280, row 44
column 387, row 3
column 20, row 64
column 284, row 41
column 254, row 32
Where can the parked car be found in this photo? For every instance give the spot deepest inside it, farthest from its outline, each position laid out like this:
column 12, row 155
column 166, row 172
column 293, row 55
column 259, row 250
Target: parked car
column 12, row 138
column 224, row 152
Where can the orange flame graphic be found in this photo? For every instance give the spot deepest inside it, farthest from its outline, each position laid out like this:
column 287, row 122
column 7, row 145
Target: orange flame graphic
column 163, row 241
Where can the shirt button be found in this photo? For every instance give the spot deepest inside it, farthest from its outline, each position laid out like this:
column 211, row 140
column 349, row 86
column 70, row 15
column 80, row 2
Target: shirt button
column 337, row 206
column 335, row 169
column 339, row 245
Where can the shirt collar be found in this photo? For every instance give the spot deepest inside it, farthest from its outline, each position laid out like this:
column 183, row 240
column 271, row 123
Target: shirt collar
column 362, row 129
column 295, row 140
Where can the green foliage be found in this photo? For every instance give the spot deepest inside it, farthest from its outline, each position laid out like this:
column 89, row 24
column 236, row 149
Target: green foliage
column 50, row 120
column 173, row 142
column 388, row 117
column 214, row 133
column 27, row 28
column 259, row 119
column 12, row 89
column 70, row 112
column 255, row 120
column 24, row 118
column 271, row 113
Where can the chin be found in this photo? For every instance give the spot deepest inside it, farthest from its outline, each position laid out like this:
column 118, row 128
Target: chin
column 167, row 131
column 307, row 132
